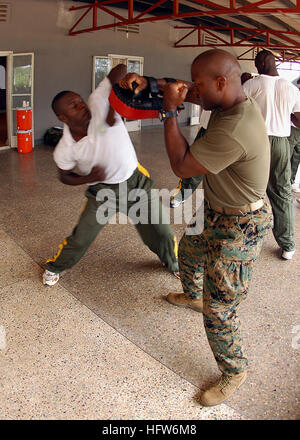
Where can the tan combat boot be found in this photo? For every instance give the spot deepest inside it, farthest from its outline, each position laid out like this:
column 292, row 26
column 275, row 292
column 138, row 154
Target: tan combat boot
column 223, row 389
column 181, row 300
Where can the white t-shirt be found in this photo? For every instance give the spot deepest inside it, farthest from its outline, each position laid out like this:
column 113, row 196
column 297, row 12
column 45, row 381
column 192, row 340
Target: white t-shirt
column 107, row 147
column 277, row 99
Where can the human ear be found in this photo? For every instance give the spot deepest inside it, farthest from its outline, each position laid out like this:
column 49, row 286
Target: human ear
column 62, row 118
column 221, row 82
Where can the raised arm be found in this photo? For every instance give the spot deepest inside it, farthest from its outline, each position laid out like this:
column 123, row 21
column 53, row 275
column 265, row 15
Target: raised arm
column 115, row 75
column 182, row 161
column 126, row 83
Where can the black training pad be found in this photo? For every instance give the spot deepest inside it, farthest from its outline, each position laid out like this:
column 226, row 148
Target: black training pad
column 141, row 101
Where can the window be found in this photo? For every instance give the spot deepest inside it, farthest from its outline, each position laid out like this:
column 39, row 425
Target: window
column 289, row 70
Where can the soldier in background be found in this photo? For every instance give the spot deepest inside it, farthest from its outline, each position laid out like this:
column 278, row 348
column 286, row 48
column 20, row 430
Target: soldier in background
column 294, row 141
column 279, row 102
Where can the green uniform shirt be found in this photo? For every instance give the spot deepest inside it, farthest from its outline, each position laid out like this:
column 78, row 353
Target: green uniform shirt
column 236, row 151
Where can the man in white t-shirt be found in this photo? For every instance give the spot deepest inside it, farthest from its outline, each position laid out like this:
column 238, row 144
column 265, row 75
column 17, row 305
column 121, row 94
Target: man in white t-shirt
column 294, row 141
column 279, row 102
column 96, row 150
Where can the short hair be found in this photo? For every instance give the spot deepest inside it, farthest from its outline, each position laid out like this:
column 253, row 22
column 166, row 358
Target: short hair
column 245, row 76
column 298, row 81
column 56, row 99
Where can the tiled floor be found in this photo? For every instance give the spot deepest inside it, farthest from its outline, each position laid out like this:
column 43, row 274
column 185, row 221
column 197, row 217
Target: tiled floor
column 103, row 343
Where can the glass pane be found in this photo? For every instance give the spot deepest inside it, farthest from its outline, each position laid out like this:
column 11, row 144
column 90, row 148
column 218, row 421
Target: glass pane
column 116, row 61
column 17, row 101
column 195, row 111
column 22, row 74
column 134, row 66
column 102, row 68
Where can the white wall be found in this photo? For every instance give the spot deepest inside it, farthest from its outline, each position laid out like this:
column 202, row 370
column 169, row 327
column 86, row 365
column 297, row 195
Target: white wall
column 65, row 63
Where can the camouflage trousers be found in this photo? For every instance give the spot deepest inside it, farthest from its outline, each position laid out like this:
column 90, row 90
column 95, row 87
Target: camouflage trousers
column 217, row 264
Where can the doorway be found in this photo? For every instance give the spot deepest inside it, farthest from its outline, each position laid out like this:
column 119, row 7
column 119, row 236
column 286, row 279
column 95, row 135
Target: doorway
column 3, row 108
column 16, row 91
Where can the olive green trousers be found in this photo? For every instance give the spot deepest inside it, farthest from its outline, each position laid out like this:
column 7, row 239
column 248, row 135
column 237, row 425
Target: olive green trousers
column 103, row 201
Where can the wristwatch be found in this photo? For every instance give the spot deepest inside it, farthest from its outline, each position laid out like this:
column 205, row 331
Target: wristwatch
column 163, row 114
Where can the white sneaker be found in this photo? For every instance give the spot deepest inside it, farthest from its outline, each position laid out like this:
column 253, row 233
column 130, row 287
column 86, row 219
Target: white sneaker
column 288, row 255
column 50, row 278
column 177, row 275
column 174, row 203
column 296, row 187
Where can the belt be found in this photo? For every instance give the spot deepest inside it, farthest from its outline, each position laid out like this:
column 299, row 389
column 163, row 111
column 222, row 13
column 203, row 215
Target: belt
column 239, row 210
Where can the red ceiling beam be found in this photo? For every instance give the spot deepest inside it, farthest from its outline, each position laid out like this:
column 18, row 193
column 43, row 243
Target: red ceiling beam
column 95, row 15
column 130, row 9
column 281, row 55
column 147, row 11
column 289, row 43
column 232, row 9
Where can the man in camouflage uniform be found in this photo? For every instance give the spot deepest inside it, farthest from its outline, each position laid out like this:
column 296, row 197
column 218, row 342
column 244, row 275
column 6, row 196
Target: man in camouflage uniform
column 233, row 157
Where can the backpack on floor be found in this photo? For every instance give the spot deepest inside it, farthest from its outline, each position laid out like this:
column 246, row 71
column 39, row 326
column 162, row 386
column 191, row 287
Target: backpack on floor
column 52, row 136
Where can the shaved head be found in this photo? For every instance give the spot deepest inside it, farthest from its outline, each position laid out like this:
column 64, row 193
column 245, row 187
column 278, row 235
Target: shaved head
column 217, row 78
column 265, row 62
column 217, row 62
column 264, row 54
